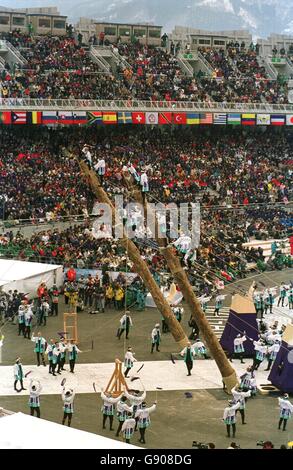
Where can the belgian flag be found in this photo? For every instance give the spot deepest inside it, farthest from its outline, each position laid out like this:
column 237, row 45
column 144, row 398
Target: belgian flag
column 34, row 117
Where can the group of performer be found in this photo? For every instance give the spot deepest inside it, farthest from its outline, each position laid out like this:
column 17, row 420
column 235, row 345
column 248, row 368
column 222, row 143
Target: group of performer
column 131, row 411
column 265, row 299
column 130, row 407
column 56, row 353
column 238, row 404
column 266, row 346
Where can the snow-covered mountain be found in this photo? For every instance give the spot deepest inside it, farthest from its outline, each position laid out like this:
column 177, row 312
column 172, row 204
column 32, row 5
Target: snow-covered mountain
column 261, row 17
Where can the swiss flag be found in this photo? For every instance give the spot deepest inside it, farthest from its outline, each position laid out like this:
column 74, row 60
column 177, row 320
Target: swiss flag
column 179, row 118
column 138, row 118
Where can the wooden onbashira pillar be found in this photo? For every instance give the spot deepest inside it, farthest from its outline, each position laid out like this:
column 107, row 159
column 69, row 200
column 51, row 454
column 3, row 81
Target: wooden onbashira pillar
column 139, row 264
column 228, row 373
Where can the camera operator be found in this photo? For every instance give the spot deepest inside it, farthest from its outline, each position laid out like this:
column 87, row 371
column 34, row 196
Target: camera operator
column 233, row 445
column 201, row 445
column 265, row 444
column 268, row 445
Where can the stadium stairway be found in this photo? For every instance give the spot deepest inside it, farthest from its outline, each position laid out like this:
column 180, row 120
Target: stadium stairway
column 217, row 323
column 11, row 55
column 98, row 55
column 266, row 245
column 185, row 65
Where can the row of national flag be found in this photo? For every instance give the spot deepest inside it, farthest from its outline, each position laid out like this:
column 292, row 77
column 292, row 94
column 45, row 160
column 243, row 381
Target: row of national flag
column 247, row 119
column 139, row 117
column 43, row 117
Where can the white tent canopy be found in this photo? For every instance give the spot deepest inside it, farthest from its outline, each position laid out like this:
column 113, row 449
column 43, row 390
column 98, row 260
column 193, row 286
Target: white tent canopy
column 26, row 277
column 21, row 431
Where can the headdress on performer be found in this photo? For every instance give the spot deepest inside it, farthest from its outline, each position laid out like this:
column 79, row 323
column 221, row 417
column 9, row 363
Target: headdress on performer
column 143, row 404
column 286, row 396
column 157, row 325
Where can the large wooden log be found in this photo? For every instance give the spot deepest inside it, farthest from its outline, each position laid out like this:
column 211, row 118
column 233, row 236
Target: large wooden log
column 173, row 262
column 140, row 265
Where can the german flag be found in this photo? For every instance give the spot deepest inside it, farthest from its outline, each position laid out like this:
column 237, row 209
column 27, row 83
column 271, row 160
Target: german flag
column 5, row 117
column 110, row 118
column 34, row 117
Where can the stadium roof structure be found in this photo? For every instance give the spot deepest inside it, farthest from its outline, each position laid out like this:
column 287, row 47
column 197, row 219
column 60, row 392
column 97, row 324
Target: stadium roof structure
column 21, row 431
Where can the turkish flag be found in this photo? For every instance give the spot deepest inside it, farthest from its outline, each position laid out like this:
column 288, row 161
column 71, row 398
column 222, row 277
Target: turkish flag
column 179, row 118
column 138, row 118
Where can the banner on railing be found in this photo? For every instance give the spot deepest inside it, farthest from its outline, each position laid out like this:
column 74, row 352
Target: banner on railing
column 93, row 118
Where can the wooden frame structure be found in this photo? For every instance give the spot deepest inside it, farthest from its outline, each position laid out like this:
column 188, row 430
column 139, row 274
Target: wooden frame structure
column 117, row 381
column 70, row 326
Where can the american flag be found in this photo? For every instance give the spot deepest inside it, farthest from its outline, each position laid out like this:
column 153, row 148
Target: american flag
column 206, row 118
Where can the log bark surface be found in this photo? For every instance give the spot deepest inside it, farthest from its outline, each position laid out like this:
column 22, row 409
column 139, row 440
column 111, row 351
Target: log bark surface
column 140, row 265
column 174, row 264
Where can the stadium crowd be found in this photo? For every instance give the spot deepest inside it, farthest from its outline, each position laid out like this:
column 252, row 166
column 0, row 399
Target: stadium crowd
column 222, row 171
column 240, row 78
column 37, row 181
column 62, row 68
